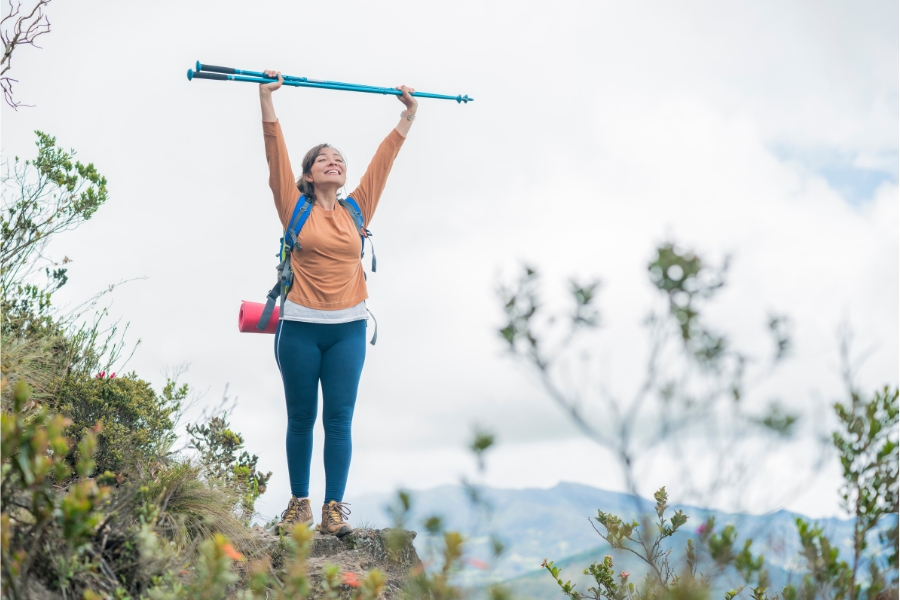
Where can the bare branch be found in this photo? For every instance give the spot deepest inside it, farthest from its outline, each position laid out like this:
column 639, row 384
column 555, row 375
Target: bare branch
column 19, row 29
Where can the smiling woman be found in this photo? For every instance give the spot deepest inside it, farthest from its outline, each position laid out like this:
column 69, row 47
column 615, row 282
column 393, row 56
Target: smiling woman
column 321, row 335
column 328, row 164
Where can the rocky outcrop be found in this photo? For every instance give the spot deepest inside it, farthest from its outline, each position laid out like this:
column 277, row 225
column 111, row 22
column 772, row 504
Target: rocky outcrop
column 359, row 552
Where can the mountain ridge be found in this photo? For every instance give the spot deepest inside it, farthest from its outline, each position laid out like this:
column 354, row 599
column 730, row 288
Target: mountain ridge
column 538, row 523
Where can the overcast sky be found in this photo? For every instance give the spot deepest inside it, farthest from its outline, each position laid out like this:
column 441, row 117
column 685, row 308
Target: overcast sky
column 764, row 130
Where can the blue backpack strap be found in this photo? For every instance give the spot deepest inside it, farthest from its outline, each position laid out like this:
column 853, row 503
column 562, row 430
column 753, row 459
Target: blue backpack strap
column 285, row 275
column 353, row 208
column 298, row 219
column 364, row 234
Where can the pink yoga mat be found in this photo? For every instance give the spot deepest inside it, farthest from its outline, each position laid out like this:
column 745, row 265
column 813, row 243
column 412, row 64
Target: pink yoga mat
column 249, row 317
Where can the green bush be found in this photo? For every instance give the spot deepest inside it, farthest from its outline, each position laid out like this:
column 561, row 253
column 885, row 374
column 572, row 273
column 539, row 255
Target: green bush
column 148, row 516
column 41, row 198
column 138, row 424
column 225, row 462
column 45, row 530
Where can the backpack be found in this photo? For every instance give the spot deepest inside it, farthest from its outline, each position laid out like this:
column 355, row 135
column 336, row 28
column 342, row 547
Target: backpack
column 289, row 243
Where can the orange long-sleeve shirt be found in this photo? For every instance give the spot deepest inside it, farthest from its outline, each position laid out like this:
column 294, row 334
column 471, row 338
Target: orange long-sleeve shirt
column 328, row 274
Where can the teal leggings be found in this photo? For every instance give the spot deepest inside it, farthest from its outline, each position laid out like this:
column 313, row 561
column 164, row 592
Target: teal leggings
column 308, row 353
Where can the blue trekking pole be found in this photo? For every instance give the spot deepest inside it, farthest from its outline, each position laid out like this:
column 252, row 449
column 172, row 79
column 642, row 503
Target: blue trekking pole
column 229, row 74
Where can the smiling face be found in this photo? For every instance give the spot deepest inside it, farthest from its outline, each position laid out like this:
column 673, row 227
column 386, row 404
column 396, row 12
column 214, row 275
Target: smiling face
column 327, row 170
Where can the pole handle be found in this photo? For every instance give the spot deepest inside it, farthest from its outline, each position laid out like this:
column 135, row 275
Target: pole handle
column 215, row 69
column 205, row 75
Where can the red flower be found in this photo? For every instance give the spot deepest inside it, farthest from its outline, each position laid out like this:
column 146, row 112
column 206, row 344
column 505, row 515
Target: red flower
column 478, row 564
column 350, row 579
column 229, row 551
column 113, row 376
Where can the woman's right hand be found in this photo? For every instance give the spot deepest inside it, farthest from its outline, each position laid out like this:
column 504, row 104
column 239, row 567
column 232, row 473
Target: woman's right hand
column 271, row 87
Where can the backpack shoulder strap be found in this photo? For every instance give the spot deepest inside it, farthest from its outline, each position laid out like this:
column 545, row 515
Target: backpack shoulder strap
column 298, row 219
column 353, row 208
column 285, row 275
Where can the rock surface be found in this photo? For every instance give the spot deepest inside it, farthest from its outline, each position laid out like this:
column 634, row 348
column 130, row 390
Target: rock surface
column 359, row 552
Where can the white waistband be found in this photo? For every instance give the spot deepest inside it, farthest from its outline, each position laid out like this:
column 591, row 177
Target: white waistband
column 296, row 312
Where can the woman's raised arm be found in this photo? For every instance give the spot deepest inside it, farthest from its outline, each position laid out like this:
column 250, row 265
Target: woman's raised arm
column 374, row 179
column 281, row 178
column 265, row 96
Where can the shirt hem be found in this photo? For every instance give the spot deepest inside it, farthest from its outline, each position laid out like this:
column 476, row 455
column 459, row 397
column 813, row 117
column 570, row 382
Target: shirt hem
column 321, row 306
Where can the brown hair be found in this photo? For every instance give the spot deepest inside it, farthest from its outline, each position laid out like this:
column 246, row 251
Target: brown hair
column 303, row 185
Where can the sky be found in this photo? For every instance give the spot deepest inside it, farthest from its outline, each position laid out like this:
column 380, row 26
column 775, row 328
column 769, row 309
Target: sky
column 765, row 131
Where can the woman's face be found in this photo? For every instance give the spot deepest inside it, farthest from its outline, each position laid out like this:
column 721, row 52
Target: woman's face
column 328, row 170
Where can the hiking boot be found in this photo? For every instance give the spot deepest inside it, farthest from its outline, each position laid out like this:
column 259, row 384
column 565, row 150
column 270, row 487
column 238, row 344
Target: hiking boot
column 298, row 511
column 333, row 522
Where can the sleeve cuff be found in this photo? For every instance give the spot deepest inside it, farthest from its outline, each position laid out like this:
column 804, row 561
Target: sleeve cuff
column 395, row 138
column 271, row 127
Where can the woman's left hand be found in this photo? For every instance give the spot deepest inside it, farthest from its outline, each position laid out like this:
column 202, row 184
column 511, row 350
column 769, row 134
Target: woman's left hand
column 408, row 101
column 406, row 117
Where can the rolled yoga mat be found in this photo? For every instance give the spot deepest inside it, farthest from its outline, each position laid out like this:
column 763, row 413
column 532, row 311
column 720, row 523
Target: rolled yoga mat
column 249, row 316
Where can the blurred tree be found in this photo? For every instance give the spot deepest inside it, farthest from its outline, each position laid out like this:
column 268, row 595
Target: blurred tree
column 695, row 384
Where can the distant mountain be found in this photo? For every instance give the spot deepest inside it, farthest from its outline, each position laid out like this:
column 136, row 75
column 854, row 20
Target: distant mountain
column 535, row 524
column 532, row 523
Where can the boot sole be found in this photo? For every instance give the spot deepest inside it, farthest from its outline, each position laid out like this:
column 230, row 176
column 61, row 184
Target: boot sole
column 340, row 533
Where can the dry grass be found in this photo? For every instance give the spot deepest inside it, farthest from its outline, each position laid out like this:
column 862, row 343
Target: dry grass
column 31, row 359
column 192, row 510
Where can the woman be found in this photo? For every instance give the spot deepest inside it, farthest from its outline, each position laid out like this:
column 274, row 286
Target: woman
column 322, row 333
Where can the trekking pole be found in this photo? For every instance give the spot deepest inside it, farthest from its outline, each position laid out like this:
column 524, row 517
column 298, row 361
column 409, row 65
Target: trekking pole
column 200, row 67
column 229, row 74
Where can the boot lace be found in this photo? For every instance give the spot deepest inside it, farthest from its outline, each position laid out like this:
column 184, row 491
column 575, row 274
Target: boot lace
column 292, row 511
column 337, row 511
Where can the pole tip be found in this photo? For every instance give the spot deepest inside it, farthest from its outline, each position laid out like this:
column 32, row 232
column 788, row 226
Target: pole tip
column 190, row 74
column 198, row 67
